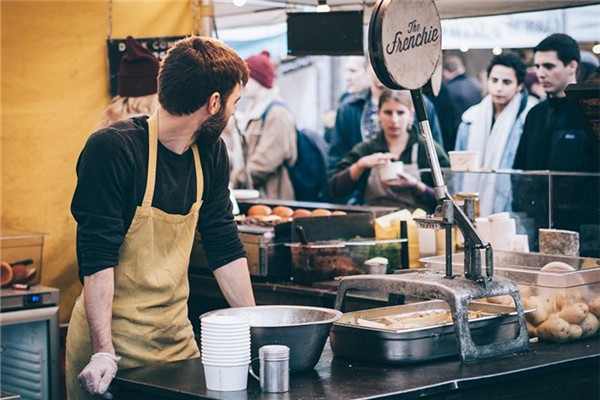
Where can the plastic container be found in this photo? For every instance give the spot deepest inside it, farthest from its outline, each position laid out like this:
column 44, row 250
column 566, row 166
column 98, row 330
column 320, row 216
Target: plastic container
column 23, row 251
column 323, row 261
column 567, row 300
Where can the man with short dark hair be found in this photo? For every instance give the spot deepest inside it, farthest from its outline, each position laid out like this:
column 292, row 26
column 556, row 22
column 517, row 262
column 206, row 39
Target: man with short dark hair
column 493, row 127
column 144, row 185
column 555, row 136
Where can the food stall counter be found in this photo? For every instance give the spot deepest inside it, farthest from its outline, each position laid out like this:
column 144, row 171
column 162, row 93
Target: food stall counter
column 549, row 371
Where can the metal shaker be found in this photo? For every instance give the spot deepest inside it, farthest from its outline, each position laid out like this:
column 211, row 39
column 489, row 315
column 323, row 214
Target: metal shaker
column 274, row 374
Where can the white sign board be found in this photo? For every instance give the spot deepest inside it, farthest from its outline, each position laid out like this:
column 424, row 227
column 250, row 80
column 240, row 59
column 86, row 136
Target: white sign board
column 405, row 38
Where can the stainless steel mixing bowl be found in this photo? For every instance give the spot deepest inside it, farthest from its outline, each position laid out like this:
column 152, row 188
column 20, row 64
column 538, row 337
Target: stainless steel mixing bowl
column 303, row 329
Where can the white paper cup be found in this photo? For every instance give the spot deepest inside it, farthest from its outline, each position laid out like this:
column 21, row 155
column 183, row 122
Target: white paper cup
column 503, row 232
column 230, row 340
column 218, row 350
column 225, row 361
column 391, row 170
column 224, row 320
column 484, row 228
column 521, row 243
column 464, row 160
column 225, row 353
column 226, row 378
column 224, row 332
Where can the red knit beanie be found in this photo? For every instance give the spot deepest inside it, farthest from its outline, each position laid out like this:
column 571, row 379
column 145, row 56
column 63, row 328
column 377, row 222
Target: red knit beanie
column 262, row 69
column 138, row 71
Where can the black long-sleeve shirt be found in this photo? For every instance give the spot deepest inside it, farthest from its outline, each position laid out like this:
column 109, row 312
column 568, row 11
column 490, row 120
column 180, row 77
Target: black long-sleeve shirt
column 112, row 171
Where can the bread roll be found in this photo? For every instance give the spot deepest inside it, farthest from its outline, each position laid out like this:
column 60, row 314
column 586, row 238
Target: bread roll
column 320, row 212
column 301, row 213
column 283, row 212
column 259, row 211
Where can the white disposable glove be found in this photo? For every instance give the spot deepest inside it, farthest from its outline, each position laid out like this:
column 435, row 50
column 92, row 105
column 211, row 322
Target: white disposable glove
column 98, row 374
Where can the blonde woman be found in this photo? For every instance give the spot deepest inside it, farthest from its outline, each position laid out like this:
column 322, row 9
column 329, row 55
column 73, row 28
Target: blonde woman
column 136, row 87
column 358, row 173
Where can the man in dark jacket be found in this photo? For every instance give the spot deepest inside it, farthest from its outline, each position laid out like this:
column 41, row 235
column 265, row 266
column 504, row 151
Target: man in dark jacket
column 464, row 90
column 556, row 138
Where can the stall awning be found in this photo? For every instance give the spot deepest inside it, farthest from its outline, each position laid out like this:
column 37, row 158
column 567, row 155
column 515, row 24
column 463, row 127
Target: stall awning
column 258, row 12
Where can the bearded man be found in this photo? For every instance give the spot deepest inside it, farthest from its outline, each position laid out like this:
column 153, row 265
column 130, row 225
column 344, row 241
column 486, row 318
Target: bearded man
column 144, row 186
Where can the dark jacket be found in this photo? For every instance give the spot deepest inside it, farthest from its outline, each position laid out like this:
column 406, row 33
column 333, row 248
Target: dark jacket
column 340, row 183
column 555, row 138
column 465, row 91
column 346, row 132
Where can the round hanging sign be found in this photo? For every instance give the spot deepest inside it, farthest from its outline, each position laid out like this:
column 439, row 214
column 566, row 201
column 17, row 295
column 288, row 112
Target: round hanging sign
column 405, row 42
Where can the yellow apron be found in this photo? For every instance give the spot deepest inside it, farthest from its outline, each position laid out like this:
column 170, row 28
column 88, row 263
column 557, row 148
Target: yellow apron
column 150, row 314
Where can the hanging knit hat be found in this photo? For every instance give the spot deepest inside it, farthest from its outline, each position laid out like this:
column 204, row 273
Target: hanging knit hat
column 262, row 69
column 138, row 71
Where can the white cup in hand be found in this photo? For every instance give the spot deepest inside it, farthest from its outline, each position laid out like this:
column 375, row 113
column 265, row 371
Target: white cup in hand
column 391, row 170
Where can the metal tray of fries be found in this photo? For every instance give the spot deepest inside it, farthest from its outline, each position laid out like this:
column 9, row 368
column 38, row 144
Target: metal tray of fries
column 417, row 332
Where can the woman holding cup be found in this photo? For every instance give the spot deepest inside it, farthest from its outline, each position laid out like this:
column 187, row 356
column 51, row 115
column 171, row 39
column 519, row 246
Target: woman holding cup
column 384, row 171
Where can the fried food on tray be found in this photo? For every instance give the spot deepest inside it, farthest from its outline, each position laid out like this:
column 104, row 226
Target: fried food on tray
column 413, row 320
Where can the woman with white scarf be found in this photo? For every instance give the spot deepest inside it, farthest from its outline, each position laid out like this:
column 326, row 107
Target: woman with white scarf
column 494, row 127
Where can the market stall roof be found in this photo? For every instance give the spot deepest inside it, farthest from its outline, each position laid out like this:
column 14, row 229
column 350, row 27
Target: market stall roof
column 259, row 12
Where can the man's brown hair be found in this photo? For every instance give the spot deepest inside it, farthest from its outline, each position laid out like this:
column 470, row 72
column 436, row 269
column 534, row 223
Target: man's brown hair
column 195, row 68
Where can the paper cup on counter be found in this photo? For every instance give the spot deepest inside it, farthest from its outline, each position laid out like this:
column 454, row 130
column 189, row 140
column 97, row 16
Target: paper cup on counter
column 484, row 228
column 391, row 170
column 503, row 233
column 426, row 242
column 521, row 244
column 463, row 160
column 226, row 378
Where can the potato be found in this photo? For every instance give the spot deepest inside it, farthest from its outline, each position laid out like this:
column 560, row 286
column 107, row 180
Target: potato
column 542, row 309
column 531, row 329
column 554, row 329
column 575, row 331
column 505, row 300
column 574, row 313
column 589, row 325
column 525, row 289
column 564, row 298
column 594, row 306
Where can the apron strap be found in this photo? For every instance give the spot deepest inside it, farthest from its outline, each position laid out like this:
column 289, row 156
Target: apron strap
column 152, row 156
column 414, row 155
column 199, row 174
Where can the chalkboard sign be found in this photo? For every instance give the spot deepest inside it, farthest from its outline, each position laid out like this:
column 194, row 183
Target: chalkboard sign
column 117, row 48
column 330, row 34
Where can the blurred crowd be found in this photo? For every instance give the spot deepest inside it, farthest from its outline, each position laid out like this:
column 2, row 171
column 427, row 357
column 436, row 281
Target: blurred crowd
column 519, row 118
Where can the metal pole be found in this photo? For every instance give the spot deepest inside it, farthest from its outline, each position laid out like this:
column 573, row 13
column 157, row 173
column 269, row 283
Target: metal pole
column 441, row 192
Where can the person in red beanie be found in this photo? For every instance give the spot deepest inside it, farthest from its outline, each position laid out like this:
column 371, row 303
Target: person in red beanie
column 269, row 131
column 136, row 85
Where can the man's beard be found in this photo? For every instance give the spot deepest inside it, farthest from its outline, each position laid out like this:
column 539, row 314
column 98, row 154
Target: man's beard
column 208, row 133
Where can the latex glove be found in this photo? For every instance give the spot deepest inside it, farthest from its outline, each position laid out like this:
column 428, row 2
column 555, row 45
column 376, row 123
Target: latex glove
column 98, row 374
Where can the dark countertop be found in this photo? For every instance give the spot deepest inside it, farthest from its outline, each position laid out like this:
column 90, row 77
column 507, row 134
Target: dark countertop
column 548, row 371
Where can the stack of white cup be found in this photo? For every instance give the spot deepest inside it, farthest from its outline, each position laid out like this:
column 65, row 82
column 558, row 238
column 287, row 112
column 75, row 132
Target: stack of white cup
column 225, row 352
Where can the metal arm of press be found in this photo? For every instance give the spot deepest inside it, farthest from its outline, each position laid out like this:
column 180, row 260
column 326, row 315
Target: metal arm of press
column 449, row 213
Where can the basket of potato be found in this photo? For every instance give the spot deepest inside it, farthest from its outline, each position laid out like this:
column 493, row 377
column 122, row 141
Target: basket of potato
column 563, row 314
column 563, row 317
